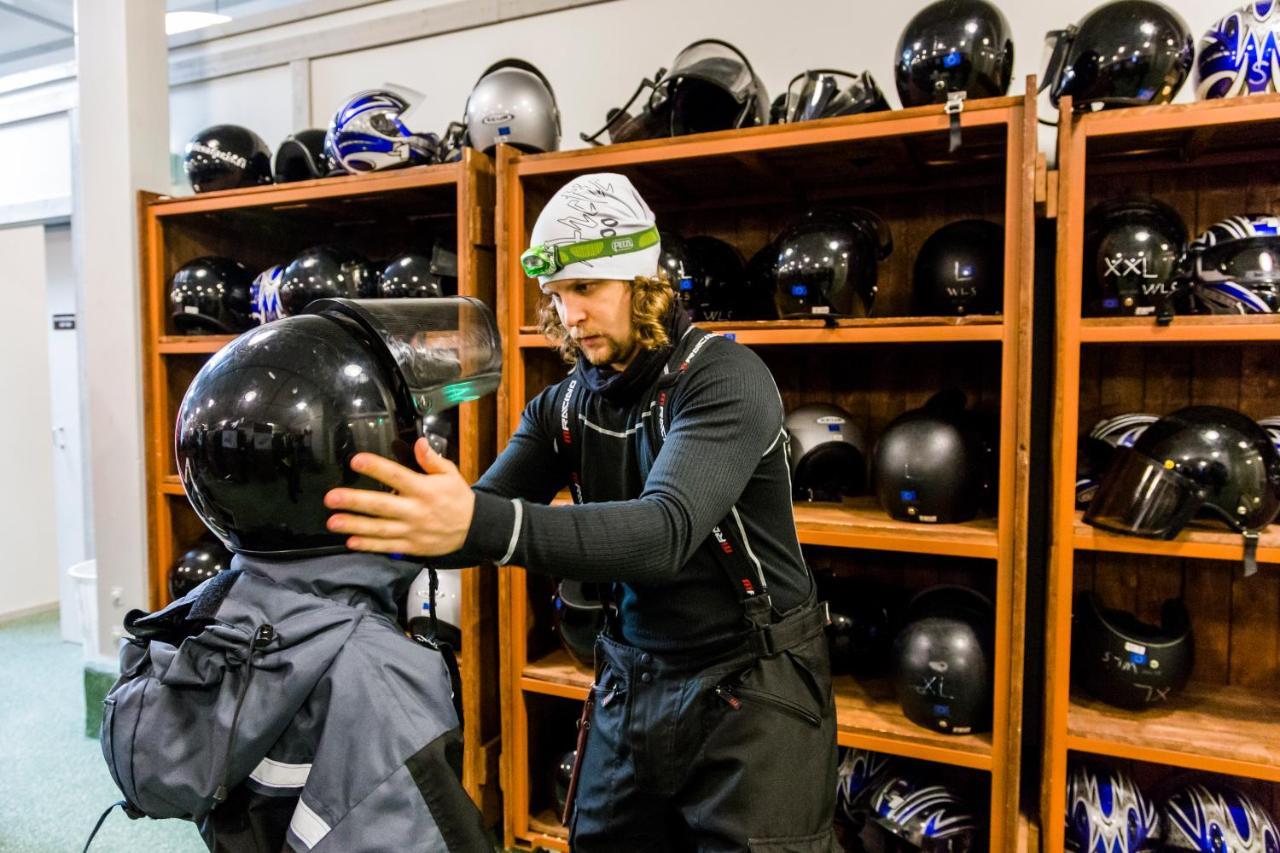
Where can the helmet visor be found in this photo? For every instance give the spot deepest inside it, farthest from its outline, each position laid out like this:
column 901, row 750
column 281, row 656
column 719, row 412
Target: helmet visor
column 714, row 62
column 1139, row 496
column 446, row 350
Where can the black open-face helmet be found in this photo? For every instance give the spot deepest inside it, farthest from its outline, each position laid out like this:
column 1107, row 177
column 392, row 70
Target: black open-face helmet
column 211, row 296
column 1132, row 258
column 272, row 420
column 826, row 263
column 1204, row 461
column 827, row 93
column 225, row 157
column 1126, row 662
column 326, row 272
column 1124, row 53
column 954, row 46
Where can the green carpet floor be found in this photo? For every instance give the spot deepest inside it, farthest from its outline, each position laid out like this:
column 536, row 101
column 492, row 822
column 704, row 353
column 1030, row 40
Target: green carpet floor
column 53, row 781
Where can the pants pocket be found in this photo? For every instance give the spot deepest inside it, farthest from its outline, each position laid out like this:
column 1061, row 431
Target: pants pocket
column 819, row 842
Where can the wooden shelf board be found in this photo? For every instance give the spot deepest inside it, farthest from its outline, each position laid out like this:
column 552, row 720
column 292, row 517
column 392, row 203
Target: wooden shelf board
column 192, row 344
column 868, row 715
column 926, row 119
column 546, row 830
column 1166, row 117
column 172, row 485
column 871, row 331
column 861, row 523
column 1208, row 544
column 1215, row 728
column 300, row 192
column 1199, row 329
column 556, row 675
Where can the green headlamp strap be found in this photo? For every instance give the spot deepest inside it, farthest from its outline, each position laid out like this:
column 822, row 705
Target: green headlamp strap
column 546, row 260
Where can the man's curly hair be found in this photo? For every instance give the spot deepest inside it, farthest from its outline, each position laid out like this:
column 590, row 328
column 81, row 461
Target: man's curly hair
column 650, row 299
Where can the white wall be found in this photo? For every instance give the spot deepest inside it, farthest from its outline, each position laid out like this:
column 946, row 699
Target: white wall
column 29, row 570
column 259, row 100
column 35, row 160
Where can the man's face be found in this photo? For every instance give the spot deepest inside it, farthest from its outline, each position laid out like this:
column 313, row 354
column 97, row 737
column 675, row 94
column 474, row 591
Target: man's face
column 597, row 315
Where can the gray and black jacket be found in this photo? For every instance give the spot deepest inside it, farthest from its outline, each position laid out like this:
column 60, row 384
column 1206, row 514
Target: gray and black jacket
column 279, row 706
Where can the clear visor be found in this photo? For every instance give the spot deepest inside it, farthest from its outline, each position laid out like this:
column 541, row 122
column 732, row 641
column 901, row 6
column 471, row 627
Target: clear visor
column 1140, row 496
column 814, row 94
column 714, row 62
column 447, row 350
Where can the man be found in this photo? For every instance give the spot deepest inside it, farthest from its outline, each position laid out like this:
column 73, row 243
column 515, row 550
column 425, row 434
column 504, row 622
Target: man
column 712, row 722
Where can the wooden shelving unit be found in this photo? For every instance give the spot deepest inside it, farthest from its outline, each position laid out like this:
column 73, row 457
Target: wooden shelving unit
column 1208, row 160
column 377, row 215
column 741, row 186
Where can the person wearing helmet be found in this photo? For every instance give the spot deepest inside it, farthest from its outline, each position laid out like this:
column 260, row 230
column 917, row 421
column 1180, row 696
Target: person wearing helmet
column 712, row 679
column 322, row 726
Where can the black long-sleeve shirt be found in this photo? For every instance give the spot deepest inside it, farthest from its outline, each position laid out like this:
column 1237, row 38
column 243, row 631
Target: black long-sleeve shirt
column 724, row 457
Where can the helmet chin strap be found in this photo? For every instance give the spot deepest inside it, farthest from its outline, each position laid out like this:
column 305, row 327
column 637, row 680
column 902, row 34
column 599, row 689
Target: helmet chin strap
column 1250, row 552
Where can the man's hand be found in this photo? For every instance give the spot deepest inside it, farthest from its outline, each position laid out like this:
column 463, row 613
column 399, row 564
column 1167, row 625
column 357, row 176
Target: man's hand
column 427, row 516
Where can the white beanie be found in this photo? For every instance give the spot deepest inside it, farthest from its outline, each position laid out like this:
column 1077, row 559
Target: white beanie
column 591, row 207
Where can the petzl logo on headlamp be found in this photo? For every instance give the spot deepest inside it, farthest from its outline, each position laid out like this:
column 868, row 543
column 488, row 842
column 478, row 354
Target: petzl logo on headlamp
column 623, row 244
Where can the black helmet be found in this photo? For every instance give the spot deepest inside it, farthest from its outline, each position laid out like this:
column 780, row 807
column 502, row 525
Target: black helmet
column 859, row 773
column 1209, row 817
column 202, row 561
column 419, row 276
column 270, row 423
column 827, row 451
column 1235, row 265
column 212, row 296
column 226, row 156
column 326, row 272
column 721, row 290
column 1129, row 663
column 928, row 817
column 1124, row 53
column 860, row 631
column 826, row 263
column 935, row 464
column 579, row 619
column 711, row 86
column 561, row 778
column 943, row 657
column 682, row 268
column 960, row 270
column 1097, row 447
column 1201, row 460
column 954, row 46
column 825, row 93
column 302, row 157
column 1132, row 252
column 1107, row 811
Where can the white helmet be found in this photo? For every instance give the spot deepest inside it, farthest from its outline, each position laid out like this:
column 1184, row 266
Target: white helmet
column 512, row 102
column 371, row 131
column 448, row 602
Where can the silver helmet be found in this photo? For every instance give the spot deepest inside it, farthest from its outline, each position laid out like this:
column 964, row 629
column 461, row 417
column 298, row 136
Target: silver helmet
column 827, row 452
column 512, row 102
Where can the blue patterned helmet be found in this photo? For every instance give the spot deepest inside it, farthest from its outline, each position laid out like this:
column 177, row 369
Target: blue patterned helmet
column 931, row 818
column 1239, row 55
column 860, row 771
column 1107, row 812
column 1217, row 819
column 1235, row 265
column 368, row 133
column 264, row 295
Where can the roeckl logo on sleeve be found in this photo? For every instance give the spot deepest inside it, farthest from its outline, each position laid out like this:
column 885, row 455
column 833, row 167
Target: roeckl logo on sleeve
column 565, row 435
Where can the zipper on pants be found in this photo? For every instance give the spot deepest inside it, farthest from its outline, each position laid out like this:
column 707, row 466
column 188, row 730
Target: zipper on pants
column 732, row 696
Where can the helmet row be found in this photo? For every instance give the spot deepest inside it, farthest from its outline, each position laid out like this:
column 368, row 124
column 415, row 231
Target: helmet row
column 824, row 265
column 218, row 295
column 1138, row 261
column 887, row 804
column 376, row 129
column 1108, row 810
column 935, row 464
